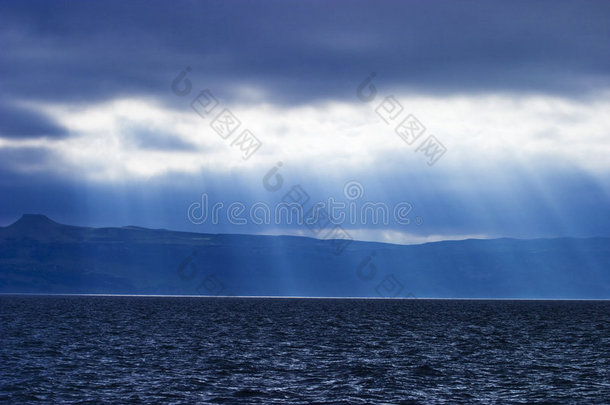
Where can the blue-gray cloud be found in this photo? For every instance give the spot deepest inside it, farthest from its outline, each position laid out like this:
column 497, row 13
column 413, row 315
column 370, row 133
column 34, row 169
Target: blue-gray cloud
column 298, row 52
column 14, row 160
column 301, row 51
column 153, row 140
column 20, row 123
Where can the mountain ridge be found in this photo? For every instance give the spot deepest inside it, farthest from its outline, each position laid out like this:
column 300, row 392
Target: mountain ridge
column 39, row 255
column 43, row 219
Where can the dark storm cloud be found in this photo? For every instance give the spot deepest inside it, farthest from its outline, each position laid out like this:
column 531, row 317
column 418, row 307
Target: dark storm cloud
column 300, row 51
column 16, row 122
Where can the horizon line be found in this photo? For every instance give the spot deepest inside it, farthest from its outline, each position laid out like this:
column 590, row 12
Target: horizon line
column 302, row 297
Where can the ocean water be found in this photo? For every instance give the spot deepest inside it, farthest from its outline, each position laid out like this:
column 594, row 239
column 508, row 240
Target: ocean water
column 77, row 349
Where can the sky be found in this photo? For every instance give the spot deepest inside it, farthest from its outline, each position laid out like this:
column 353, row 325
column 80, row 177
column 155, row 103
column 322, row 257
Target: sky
column 462, row 119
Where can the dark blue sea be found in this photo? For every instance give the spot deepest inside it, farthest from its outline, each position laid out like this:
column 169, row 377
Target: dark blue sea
column 94, row 349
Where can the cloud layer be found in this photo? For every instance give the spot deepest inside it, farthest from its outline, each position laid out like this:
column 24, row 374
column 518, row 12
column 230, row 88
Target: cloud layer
column 301, row 52
column 518, row 94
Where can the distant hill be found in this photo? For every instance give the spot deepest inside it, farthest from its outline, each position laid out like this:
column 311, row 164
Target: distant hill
column 38, row 255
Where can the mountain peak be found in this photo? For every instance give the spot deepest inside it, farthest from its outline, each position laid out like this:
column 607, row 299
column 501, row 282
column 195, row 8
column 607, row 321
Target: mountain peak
column 35, row 220
column 38, row 227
